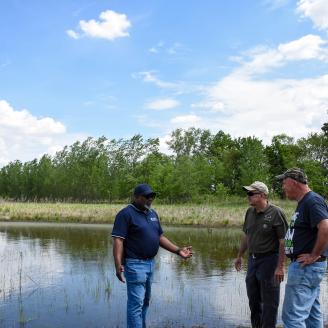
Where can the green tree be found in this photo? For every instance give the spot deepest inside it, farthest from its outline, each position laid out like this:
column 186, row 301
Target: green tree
column 190, row 142
column 223, row 154
column 252, row 163
column 12, row 178
column 283, row 153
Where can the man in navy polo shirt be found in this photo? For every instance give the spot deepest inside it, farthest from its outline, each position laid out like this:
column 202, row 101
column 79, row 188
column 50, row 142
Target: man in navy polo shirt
column 137, row 235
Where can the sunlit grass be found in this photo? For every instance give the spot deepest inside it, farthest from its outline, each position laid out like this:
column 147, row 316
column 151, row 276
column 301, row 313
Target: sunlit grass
column 219, row 215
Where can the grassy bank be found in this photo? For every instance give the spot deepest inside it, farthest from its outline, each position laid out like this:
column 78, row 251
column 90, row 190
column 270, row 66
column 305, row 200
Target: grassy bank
column 226, row 214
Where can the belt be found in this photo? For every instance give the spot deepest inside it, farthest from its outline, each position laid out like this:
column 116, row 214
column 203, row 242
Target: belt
column 261, row 255
column 320, row 259
column 140, row 258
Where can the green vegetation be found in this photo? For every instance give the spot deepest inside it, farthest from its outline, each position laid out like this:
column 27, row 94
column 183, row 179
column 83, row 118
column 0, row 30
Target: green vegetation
column 224, row 214
column 203, row 168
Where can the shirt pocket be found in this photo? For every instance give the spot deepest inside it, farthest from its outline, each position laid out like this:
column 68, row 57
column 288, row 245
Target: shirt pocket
column 267, row 226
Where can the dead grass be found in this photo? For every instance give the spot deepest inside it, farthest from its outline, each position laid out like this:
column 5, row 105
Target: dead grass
column 219, row 215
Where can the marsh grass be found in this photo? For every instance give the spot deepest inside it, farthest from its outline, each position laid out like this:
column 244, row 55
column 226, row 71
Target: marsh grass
column 224, row 214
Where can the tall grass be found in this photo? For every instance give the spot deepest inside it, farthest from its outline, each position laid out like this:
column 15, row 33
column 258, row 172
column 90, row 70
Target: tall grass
column 213, row 215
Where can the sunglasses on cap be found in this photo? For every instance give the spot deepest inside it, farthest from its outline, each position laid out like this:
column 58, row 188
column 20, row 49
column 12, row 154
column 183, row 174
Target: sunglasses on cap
column 149, row 196
column 251, row 193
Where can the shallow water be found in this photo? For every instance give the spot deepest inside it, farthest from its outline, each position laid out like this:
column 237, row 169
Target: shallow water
column 54, row 275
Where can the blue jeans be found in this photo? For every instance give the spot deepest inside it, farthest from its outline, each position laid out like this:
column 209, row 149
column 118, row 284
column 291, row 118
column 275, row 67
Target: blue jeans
column 263, row 291
column 301, row 307
column 138, row 276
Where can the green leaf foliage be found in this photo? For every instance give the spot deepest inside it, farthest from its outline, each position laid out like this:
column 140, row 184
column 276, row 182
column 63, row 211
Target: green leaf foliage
column 200, row 166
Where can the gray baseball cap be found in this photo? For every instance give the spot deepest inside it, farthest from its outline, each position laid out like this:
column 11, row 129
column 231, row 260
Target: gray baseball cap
column 294, row 173
column 257, row 186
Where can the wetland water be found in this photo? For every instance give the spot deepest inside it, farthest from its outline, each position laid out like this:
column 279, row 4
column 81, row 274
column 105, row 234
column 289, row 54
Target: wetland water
column 54, row 275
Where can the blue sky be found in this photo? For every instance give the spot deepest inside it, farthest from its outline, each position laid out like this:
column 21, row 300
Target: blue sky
column 72, row 69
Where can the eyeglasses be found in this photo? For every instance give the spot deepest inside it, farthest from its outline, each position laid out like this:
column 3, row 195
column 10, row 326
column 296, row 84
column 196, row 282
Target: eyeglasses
column 251, row 193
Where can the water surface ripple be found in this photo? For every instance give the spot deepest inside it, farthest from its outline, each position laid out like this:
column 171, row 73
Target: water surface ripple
column 62, row 275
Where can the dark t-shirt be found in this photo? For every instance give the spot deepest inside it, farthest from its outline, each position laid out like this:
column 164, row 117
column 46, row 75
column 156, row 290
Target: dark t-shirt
column 264, row 229
column 140, row 230
column 302, row 233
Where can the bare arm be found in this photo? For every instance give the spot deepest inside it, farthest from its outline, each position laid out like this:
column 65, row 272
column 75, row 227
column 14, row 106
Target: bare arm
column 319, row 247
column 322, row 238
column 184, row 252
column 242, row 249
column 118, row 251
column 279, row 272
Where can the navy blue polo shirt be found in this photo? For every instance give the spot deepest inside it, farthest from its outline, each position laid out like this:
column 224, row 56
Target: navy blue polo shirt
column 140, row 230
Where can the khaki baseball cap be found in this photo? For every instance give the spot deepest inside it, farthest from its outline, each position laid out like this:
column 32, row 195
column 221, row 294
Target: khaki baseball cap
column 294, row 173
column 257, row 186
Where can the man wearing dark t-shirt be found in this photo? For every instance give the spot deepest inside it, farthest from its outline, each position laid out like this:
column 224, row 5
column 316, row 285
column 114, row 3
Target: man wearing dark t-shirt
column 264, row 230
column 137, row 235
column 306, row 244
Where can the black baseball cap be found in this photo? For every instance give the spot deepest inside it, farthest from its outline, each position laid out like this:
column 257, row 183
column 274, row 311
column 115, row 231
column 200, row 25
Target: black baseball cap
column 143, row 189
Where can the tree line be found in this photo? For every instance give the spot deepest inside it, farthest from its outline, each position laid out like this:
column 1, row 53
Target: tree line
column 202, row 166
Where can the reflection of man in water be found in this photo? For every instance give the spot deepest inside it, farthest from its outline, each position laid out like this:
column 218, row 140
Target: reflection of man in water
column 306, row 245
column 137, row 235
column 264, row 227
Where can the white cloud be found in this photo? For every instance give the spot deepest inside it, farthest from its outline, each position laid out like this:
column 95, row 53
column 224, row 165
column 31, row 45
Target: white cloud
column 316, row 10
column 275, row 4
column 305, row 48
column 5, row 64
column 146, row 120
column 73, row 34
column 213, row 106
column 25, row 137
column 185, row 121
column 266, row 108
column 178, row 88
column 247, row 103
column 27, row 123
column 111, row 26
column 161, row 104
column 150, row 77
column 261, row 60
column 153, row 50
column 157, row 48
column 172, row 49
column 163, row 146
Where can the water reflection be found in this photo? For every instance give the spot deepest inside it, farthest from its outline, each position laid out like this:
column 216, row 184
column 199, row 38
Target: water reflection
column 63, row 276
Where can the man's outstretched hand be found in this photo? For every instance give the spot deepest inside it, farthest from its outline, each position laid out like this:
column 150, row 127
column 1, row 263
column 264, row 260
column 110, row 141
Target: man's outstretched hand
column 186, row 252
